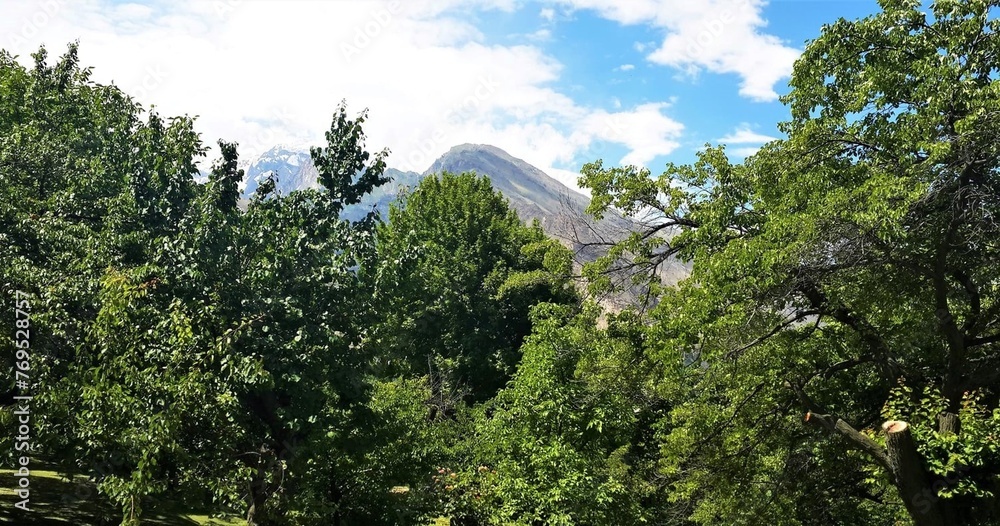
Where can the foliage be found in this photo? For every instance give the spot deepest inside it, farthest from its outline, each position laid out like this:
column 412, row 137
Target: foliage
column 458, row 274
column 184, row 347
column 856, row 252
column 565, row 442
column 966, row 457
column 277, row 360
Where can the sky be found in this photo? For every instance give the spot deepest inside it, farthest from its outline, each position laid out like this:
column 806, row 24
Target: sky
column 558, row 83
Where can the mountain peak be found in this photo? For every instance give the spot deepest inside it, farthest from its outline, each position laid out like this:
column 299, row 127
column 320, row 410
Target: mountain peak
column 532, row 192
column 487, row 148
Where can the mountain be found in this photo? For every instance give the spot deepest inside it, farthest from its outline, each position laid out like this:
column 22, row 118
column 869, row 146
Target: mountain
column 294, row 170
column 531, row 191
column 381, row 197
column 532, row 194
column 293, row 167
column 561, row 211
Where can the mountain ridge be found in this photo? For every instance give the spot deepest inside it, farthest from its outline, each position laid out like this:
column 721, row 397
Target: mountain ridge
column 532, row 193
column 529, row 189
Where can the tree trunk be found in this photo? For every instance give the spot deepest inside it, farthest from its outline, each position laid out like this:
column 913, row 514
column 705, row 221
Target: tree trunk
column 911, row 479
column 948, row 423
column 256, row 498
column 258, row 491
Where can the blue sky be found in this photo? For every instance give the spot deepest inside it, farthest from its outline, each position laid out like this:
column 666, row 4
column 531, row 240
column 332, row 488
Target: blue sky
column 555, row 82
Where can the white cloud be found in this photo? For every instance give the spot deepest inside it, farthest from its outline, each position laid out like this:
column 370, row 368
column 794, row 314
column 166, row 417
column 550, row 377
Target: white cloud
column 744, row 152
column 134, row 11
column 548, row 14
column 744, row 135
column 568, row 178
column 626, row 67
column 263, row 73
column 645, row 131
column 721, row 36
column 541, row 35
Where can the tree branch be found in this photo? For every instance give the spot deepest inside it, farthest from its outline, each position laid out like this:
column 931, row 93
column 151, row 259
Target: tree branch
column 860, row 441
column 985, row 340
column 782, row 326
column 839, row 426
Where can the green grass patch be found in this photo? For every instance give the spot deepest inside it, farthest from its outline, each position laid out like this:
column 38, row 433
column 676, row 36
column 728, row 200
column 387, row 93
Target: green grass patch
column 58, row 501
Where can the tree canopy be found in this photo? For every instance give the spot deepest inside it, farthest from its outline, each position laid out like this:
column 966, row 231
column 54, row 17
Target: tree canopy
column 459, row 272
column 832, row 357
column 843, row 277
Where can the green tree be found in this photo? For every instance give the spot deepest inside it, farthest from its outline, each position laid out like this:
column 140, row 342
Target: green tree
column 458, row 274
column 231, row 357
column 842, row 276
column 184, row 348
column 569, row 440
column 72, row 156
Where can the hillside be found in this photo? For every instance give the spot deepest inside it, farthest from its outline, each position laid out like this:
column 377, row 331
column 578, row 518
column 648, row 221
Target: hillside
column 536, row 195
column 532, row 193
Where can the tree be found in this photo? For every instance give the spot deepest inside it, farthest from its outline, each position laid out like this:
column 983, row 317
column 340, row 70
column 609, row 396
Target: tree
column 72, row 153
column 568, row 441
column 184, row 348
column 248, row 324
column 458, row 273
column 843, row 276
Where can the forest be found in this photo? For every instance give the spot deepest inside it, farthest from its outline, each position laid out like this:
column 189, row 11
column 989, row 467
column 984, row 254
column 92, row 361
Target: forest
column 830, row 359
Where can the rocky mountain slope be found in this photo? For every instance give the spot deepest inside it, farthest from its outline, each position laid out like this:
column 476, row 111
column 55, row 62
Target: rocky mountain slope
column 536, row 195
column 531, row 192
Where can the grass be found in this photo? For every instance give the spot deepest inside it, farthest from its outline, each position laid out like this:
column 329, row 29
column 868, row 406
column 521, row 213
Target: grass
column 57, row 501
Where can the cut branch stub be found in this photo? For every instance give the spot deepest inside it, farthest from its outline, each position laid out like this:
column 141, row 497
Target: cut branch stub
column 895, row 427
column 948, row 423
column 909, row 475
